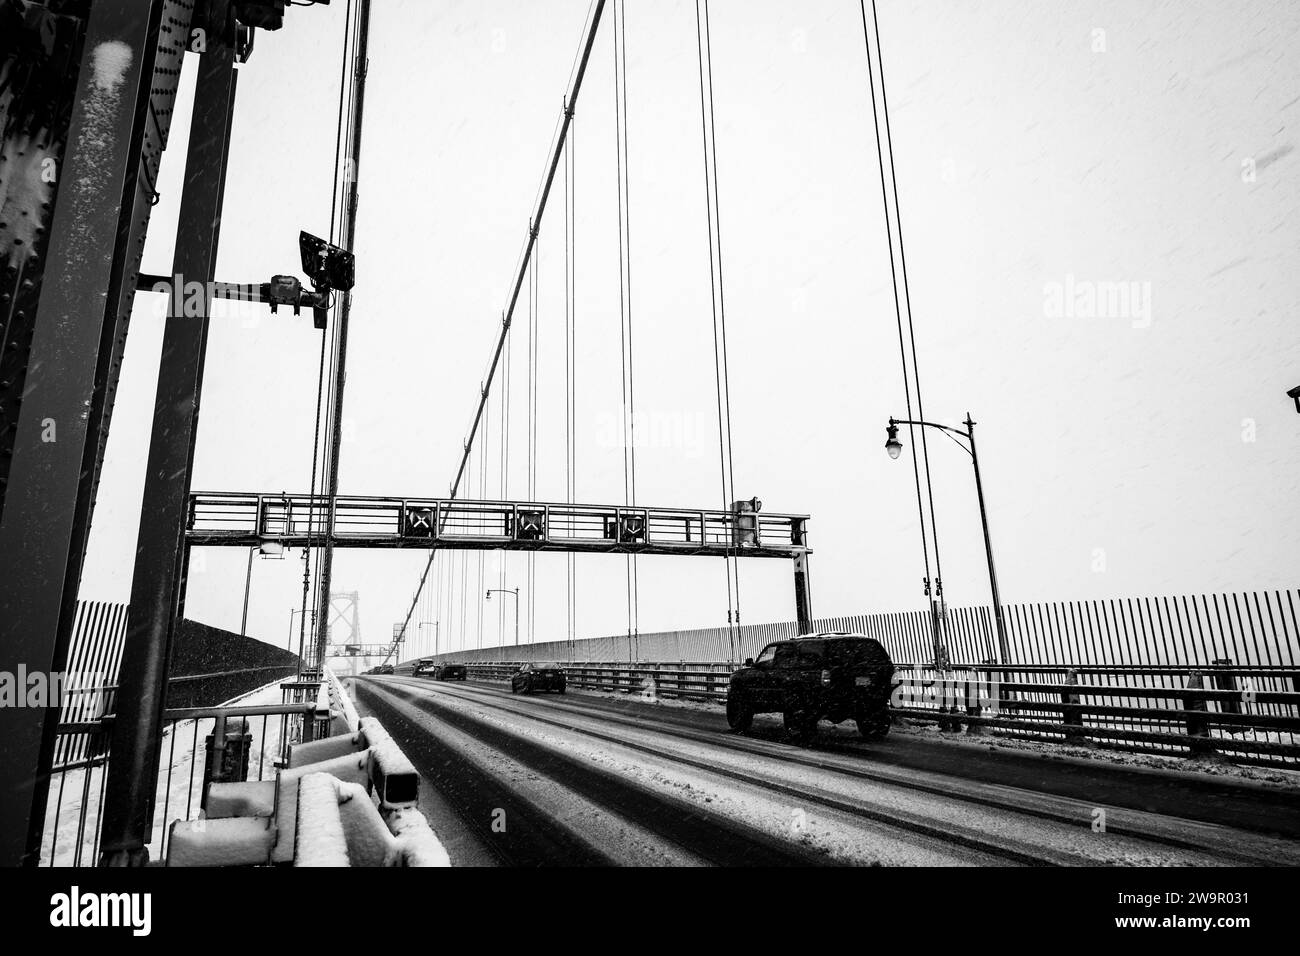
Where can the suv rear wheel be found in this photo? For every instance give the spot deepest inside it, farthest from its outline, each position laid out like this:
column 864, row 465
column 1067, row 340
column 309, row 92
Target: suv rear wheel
column 740, row 717
column 873, row 725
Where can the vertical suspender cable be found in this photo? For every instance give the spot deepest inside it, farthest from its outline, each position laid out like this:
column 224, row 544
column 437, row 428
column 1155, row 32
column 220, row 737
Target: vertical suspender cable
column 580, row 70
column 341, row 321
column 885, row 145
column 722, row 292
column 716, row 304
column 320, row 374
column 625, row 303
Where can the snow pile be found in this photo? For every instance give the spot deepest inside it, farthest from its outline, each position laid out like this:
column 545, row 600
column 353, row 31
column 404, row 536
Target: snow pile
column 350, row 768
column 415, row 842
column 327, row 748
column 24, row 190
column 369, row 842
column 340, row 696
column 319, row 834
column 237, row 841
column 110, row 61
column 338, row 825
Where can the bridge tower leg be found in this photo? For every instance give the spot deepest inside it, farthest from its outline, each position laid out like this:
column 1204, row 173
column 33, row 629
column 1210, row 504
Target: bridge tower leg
column 67, row 291
column 160, row 552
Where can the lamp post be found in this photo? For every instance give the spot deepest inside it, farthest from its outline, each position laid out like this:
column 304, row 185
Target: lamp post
column 515, row 592
column 297, row 612
column 266, row 549
column 435, row 634
column 894, row 447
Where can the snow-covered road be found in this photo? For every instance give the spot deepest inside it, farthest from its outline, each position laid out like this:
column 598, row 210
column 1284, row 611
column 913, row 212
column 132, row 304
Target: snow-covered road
column 581, row 779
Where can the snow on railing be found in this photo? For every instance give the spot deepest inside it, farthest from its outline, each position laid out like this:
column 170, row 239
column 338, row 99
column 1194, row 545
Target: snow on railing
column 358, row 791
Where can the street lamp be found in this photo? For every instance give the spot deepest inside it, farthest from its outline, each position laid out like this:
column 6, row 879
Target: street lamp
column 1295, row 393
column 892, row 444
column 515, row 592
column 894, row 447
column 294, row 612
column 435, row 633
column 267, row 549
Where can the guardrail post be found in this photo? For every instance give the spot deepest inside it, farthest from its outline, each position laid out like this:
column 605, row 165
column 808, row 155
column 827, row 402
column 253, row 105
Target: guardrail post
column 1197, row 727
column 973, row 707
column 945, row 697
column 1228, row 682
column 217, row 765
column 1071, row 713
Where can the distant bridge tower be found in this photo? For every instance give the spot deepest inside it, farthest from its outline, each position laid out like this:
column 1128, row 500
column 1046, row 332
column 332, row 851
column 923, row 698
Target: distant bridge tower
column 345, row 609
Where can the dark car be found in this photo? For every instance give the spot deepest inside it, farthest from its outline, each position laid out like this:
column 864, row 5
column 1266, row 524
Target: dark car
column 450, row 672
column 383, row 669
column 530, row 677
column 833, row 676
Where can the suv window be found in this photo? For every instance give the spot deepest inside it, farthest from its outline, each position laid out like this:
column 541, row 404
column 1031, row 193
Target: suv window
column 769, row 652
column 787, row 655
column 811, row 653
column 857, row 652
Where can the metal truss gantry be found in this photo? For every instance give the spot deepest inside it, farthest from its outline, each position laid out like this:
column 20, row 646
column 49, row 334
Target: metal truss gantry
column 219, row 519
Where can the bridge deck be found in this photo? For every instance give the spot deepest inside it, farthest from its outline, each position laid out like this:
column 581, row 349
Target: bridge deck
column 247, row 519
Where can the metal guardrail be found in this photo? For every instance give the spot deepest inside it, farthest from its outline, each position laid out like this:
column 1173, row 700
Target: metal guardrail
column 1248, row 713
column 77, row 783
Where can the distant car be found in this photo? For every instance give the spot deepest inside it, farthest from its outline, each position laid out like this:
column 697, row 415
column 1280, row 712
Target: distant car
column 832, row 676
column 383, row 669
column 545, row 676
column 439, row 670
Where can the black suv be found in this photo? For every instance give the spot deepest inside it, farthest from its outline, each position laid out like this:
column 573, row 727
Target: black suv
column 834, row 676
column 545, row 676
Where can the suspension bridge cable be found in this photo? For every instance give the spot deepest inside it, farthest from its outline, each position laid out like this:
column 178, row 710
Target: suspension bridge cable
column 340, row 133
column 341, row 318
column 570, row 367
column 907, row 297
column 718, row 356
column 568, row 380
column 631, row 351
column 918, row 464
column 482, row 493
column 531, row 463
column 626, row 351
column 579, row 73
column 722, row 292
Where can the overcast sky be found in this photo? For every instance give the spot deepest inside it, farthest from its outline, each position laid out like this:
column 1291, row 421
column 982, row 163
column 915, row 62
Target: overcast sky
column 1042, row 149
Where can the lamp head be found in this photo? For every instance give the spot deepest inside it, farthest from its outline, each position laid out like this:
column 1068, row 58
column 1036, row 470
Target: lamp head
column 892, row 444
